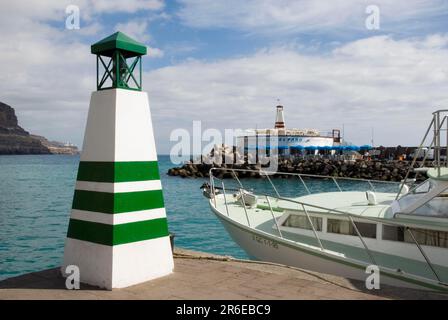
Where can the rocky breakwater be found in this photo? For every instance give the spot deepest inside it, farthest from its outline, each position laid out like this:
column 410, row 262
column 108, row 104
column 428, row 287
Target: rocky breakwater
column 390, row 170
column 384, row 170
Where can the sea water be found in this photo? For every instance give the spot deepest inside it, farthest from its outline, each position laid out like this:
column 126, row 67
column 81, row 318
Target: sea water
column 36, row 193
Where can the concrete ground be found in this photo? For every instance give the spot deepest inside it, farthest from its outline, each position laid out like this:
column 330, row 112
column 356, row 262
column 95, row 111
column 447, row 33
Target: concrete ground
column 204, row 276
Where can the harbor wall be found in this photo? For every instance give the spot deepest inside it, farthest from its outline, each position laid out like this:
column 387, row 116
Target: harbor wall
column 386, row 166
column 384, row 170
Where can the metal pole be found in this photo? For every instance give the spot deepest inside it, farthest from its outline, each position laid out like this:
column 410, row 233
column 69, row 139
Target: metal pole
column 212, row 184
column 415, row 159
column 225, row 199
column 423, row 254
column 244, row 206
column 304, row 184
column 117, row 69
column 312, row 227
column 371, row 186
column 433, row 141
column 238, row 180
column 337, row 185
column 275, row 189
column 446, row 150
column 362, row 240
column 437, row 146
column 273, row 217
column 97, row 73
column 140, row 71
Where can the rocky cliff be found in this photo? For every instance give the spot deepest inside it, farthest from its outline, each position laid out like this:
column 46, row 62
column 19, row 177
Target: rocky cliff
column 8, row 122
column 56, row 147
column 15, row 140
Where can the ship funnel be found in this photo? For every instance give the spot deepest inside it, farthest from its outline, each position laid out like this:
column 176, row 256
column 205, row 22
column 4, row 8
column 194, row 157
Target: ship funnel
column 279, row 119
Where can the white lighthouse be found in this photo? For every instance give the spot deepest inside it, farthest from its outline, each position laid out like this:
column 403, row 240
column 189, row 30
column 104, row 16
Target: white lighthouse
column 279, row 118
column 118, row 233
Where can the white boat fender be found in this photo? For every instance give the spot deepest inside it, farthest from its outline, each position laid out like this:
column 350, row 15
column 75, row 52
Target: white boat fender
column 404, row 189
column 371, row 198
column 249, row 198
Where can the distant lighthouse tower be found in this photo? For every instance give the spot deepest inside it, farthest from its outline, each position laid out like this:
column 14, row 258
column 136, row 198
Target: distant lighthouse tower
column 279, row 119
column 118, row 233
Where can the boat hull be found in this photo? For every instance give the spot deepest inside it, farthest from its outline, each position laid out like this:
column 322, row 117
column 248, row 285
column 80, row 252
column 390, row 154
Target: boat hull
column 261, row 246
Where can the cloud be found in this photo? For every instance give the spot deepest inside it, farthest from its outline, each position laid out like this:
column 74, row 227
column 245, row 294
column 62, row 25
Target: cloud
column 129, row 6
column 391, row 85
column 155, row 52
column 55, row 9
column 305, row 16
column 183, row 47
column 386, row 82
column 48, row 72
column 136, row 29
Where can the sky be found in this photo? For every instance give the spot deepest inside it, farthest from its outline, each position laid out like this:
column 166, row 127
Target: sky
column 226, row 63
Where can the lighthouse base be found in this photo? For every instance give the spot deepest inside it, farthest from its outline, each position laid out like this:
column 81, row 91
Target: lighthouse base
column 119, row 266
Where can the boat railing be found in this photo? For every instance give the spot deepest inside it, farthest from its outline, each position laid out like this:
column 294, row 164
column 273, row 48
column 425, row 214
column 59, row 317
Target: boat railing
column 304, row 207
column 439, row 120
column 301, row 177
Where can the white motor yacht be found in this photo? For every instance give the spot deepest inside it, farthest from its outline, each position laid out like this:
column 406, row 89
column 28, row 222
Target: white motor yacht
column 404, row 233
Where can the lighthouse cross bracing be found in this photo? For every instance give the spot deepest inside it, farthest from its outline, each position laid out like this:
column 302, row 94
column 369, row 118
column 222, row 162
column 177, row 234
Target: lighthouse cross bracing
column 120, row 69
column 119, row 73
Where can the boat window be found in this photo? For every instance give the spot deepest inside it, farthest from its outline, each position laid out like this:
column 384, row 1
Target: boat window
column 393, row 233
column 435, row 207
column 424, row 187
column 367, row 230
column 428, row 237
column 424, row 237
column 299, row 221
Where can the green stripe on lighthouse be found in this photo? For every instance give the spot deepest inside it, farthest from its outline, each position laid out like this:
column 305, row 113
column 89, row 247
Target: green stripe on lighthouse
column 112, row 235
column 117, row 202
column 131, row 171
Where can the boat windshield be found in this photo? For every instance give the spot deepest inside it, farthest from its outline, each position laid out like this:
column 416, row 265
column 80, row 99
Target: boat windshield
column 437, row 206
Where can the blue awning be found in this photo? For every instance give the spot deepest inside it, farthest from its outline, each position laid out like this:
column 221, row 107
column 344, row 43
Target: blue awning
column 312, row 148
column 266, row 147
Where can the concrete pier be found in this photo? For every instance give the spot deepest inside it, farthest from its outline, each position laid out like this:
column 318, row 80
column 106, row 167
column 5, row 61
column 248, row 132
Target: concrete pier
column 205, row 276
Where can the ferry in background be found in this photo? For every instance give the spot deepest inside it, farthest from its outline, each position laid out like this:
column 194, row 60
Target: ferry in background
column 294, row 141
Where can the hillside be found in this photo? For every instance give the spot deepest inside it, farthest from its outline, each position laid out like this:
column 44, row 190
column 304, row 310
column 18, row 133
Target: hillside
column 16, row 140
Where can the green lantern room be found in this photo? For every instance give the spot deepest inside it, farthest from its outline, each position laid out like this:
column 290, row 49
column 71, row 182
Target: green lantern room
column 118, row 62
